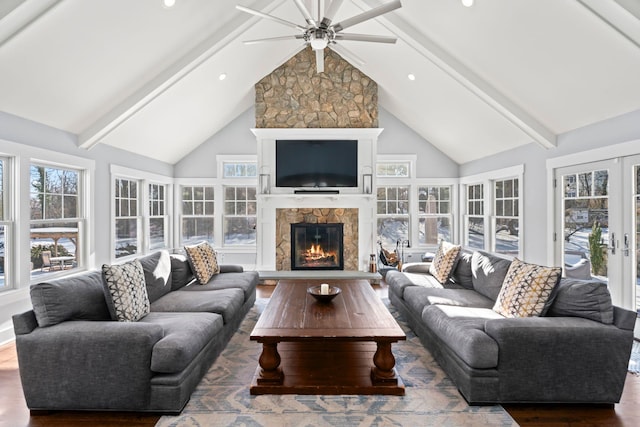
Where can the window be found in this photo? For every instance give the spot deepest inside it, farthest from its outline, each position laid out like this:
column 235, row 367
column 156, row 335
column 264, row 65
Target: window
column 434, row 214
column 158, row 217
column 197, row 214
column 240, row 215
column 232, row 169
column 55, row 213
column 396, row 169
column 5, row 225
column 475, row 216
column 127, row 218
column 507, row 223
column 393, row 214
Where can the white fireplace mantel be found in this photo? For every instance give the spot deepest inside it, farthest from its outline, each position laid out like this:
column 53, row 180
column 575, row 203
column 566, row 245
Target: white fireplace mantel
column 283, row 198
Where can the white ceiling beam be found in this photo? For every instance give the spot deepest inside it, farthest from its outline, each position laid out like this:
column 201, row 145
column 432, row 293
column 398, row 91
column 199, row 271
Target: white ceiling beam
column 463, row 75
column 621, row 15
column 18, row 15
column 169, row 77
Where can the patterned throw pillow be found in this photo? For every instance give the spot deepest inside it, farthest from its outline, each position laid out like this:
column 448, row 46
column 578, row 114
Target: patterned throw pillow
column 444, row 261
column 203, row 261
column 526, row 289
column 125, row 291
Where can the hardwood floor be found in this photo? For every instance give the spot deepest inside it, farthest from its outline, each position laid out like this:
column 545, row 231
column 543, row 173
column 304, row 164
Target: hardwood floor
column 14, row 412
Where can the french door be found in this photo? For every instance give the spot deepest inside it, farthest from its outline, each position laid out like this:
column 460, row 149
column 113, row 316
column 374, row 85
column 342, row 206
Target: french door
column 598, row 225
column 630, row 239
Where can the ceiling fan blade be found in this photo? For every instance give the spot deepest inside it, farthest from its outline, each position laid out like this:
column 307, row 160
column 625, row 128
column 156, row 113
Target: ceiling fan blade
column 370, row 14
column 271, row 17
column 305, row 12
column 365, row 38
column 347, row 54
column 320, row 61
column 272, row 39
column 330, row 13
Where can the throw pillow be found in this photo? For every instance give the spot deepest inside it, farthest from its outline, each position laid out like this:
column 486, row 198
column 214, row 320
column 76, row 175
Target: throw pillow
column 488, row 272
column 526, row 289
column 203, row 261
column 444, row 261
column 579, row 298
column 157, row 274
column 125, row 291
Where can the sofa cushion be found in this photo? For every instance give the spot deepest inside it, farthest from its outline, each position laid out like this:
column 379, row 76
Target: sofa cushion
column 417, row 297
column 578, row 298
column 444, row 261
column 462, row 274
column 226, row 302
column 488, row 272
column 462, row 330
column 125, row 291
column 526, row 289
column 79, row 297
column 246, row 281
column 181, row 273
column 185, row 335
column 203, row 261
column 157, row 274
column 397, row 282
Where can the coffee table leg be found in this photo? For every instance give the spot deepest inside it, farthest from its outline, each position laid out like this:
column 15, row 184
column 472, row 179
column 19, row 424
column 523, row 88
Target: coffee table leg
column 270, row 373
column 383, row 372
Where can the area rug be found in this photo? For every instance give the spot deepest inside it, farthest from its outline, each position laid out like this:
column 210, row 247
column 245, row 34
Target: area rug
column 634, row 361
column 222, row 398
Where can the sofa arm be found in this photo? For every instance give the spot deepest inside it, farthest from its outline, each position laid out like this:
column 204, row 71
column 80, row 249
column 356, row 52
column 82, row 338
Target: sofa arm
column 562, row 359
column 229, row 268
column 87, row 365
column 24, row 323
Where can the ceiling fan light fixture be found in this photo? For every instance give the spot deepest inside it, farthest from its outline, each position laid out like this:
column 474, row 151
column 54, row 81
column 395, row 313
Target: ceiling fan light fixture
column 318, row 40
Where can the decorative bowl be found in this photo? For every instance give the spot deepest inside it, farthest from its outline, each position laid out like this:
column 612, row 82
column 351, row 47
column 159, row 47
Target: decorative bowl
column 314, row 291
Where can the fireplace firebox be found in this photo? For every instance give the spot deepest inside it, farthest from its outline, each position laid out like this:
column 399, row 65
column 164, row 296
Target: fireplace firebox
column 317, row 246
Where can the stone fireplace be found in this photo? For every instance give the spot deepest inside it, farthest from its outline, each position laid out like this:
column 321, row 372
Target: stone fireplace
column 279, row 207
column 317, row 246
column 295, row 103
column 346, row 218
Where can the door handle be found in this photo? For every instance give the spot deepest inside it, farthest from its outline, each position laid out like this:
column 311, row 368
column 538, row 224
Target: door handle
column 625, row 251
column 612, row 243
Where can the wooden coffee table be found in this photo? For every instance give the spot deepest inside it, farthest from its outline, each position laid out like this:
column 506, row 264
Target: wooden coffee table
column 341, row 347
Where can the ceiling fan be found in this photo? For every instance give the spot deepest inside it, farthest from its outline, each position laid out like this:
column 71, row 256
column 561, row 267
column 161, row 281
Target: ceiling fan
column 321, row 32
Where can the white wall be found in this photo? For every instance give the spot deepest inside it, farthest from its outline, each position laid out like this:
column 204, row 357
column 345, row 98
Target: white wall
column 31, row 135
column 398, row 138
column 536, row 230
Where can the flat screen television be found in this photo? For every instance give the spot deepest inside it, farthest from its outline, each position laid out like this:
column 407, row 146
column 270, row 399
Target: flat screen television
column 316, row 163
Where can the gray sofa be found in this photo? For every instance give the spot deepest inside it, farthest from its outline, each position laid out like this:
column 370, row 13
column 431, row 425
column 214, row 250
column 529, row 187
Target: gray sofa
column 578, row 352
column 72, row 356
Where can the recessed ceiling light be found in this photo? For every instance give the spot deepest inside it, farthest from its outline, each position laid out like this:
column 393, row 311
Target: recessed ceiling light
column 222, row 76
column 467, row 3
column 411, row 77
column 168, row 3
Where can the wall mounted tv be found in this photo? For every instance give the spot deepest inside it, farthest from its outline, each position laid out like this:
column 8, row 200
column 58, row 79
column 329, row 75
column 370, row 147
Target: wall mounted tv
column 316, row 163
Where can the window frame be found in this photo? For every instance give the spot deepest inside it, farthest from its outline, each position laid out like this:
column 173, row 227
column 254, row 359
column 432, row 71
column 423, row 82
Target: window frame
column 143, row 180
column 7, row 221
column 224, row 214
column 164, row 215
column 79, row 218
column 488, row 179
column 451, row 185
column 181, row 215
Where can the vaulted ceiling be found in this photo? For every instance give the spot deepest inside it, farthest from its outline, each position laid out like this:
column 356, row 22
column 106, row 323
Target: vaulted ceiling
column 145, row 78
